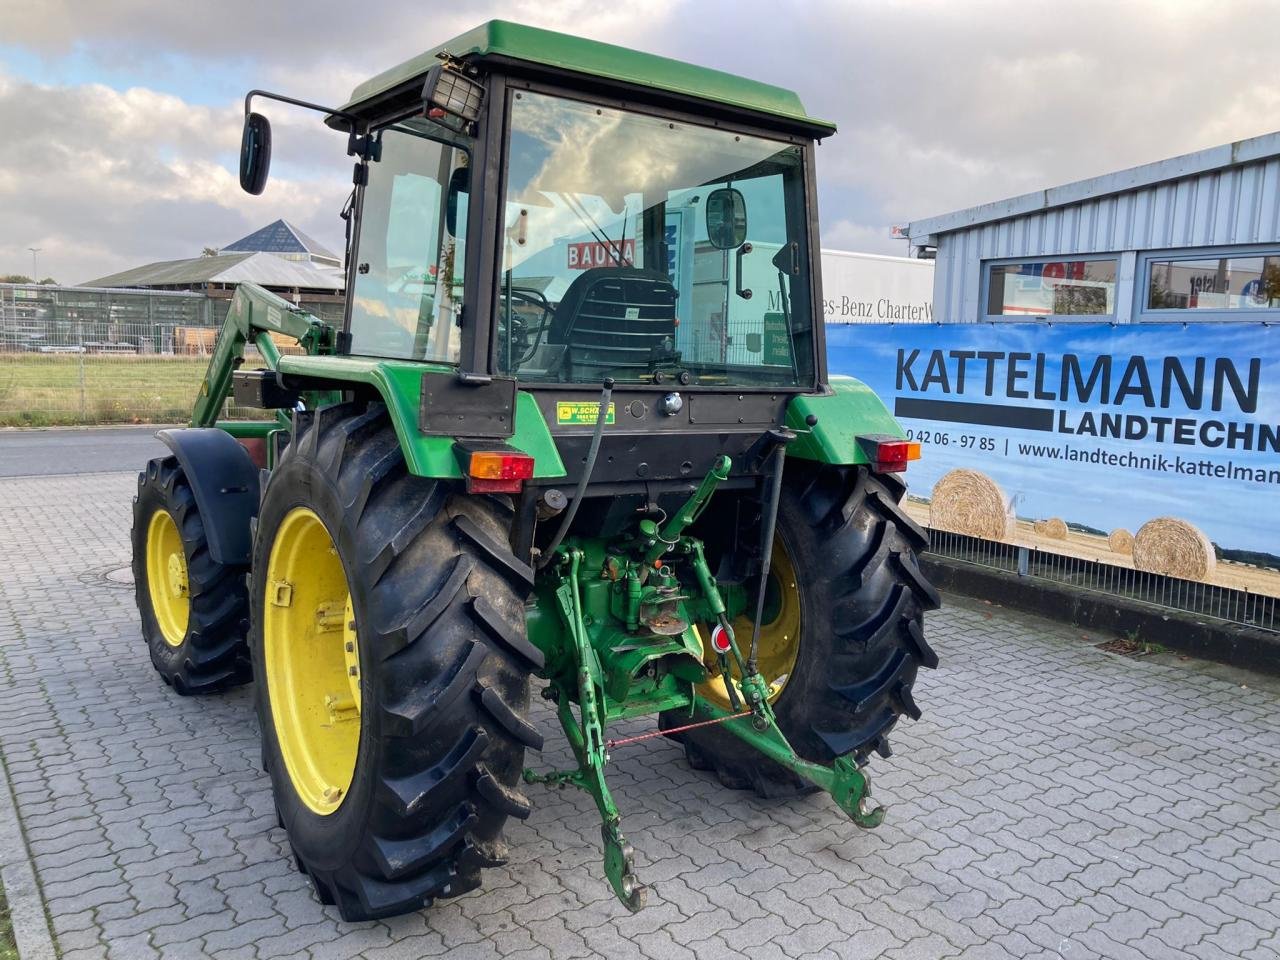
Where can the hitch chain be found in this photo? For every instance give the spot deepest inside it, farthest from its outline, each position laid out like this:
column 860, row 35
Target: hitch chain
column 666, row 733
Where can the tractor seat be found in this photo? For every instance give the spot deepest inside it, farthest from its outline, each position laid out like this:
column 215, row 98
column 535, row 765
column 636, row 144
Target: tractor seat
column 615, row 318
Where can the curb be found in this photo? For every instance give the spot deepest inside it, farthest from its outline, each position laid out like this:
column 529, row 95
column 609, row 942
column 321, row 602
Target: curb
column 67, row 427
column 26, row 905
column 1235, row 644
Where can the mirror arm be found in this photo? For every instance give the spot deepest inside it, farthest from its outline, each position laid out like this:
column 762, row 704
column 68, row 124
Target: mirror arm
column 353, row 122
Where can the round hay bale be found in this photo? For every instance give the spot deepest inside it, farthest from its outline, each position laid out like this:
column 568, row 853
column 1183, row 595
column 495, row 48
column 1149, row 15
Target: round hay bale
column 1174, row 548
column 969, row 502
column 1051, row 529
column 1121, row 541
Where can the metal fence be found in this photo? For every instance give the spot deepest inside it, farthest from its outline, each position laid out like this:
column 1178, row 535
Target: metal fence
column 1204, row 599
column 83, row 355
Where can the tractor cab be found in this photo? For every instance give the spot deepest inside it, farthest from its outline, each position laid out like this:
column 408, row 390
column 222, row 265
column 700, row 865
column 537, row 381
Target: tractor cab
column 537, row 208
column 635, row 218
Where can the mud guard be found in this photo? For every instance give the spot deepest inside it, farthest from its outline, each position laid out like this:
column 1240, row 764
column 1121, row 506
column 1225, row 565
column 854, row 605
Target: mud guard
column 225, row 483
column 849, row 410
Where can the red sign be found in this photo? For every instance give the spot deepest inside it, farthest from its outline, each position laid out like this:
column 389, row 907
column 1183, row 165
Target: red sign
column 584, row 256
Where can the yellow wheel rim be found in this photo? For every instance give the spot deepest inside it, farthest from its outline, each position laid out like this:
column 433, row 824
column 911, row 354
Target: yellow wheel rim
column 779, row 633
column 312, row 659
column 167, row 578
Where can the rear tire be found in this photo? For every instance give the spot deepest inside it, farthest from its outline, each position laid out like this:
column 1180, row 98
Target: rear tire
column 444, row 668
column 862, row 600
column 195, row 624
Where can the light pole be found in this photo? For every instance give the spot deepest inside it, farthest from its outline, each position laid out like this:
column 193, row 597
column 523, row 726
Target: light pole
column 35, row 272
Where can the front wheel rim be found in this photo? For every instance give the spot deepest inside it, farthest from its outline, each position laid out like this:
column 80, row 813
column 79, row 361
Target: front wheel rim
column 167, row 583
column 312, row 657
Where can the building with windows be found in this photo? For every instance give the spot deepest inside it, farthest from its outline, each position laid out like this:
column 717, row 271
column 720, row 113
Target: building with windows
column 1097, row 391
column 1196, row 237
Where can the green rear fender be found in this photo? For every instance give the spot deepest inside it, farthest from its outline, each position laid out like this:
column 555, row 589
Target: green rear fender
column 849, row 410
column 400, row 385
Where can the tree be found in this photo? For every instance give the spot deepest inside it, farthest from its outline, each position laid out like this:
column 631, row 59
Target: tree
column 209, row 252
column 14, row 278
column 48, row 282
column 1270, row 282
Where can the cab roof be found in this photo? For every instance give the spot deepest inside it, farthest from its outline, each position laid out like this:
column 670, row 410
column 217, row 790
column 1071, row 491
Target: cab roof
column 560, row 51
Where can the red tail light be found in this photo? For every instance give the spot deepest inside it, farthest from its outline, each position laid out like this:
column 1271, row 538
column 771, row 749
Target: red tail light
column 888, row 454
column 497, row 471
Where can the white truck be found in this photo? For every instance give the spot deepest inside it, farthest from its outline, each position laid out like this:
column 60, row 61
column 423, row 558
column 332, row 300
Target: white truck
column 871, row 288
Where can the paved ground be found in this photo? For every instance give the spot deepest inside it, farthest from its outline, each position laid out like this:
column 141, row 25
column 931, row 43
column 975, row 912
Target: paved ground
column 62, row 450
column 1057, row 801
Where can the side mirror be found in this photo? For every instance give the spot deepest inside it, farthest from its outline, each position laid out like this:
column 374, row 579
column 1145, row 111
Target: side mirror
column 459, row 188
column 726, row 218
column 255, row 153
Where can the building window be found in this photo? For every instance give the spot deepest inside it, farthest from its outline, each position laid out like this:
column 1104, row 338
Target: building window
column 1052, row 288
column 1236, row 282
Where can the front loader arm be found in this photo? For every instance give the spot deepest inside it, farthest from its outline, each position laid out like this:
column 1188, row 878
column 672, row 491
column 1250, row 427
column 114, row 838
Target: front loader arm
column 254, row 314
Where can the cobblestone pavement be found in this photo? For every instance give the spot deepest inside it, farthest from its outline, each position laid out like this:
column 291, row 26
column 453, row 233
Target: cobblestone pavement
column 1056, row 801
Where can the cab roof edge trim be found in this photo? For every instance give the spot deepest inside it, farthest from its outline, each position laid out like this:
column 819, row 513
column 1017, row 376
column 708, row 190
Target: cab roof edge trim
column 548, row 48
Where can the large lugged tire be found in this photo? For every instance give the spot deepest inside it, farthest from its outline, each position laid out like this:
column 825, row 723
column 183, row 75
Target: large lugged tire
column 194, row 610
column 852, row 553
column 406, row 589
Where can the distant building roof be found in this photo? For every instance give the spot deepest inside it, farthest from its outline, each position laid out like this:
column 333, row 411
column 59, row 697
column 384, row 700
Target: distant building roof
column 281, row 237
column 264, row 269
column 1254, row 150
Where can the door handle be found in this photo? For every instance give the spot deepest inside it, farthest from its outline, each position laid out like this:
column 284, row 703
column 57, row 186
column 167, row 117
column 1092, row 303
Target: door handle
column 745, row 294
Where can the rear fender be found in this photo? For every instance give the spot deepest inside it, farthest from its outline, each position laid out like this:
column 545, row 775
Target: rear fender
column 398, row 383
column 225, row 483
column 850, row 410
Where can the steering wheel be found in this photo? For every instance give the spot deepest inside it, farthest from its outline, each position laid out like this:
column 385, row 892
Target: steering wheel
column 533, row 298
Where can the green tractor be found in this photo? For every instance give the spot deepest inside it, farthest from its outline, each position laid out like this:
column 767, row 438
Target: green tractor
column 575, row 434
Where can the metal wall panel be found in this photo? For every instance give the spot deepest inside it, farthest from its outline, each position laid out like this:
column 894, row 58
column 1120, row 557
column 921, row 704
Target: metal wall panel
column 1230, row 206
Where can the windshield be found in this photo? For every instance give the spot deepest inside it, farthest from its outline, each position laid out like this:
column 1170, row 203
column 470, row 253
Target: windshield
column 407, row 297
column 608, row 268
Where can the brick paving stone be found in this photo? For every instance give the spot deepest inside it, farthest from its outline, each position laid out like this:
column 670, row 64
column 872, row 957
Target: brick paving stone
column 1055, row 801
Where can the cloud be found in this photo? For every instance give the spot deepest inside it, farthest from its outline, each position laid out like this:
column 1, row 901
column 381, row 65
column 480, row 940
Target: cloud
column 940, row 105
column 845, row 234
column 102, row 180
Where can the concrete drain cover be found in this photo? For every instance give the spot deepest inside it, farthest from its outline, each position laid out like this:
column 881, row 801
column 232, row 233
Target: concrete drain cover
column 113, row 575
column 119, row 576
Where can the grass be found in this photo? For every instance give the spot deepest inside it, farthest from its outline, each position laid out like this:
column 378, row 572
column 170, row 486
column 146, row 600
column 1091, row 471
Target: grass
column 1132, row 645
column 8, row 946
column 39, row 390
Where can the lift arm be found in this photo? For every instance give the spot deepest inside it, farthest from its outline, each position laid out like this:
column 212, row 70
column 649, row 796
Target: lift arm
column 254, row 314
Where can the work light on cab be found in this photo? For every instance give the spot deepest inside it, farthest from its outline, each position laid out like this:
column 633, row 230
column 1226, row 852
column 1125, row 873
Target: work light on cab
column 888, row 454
column 448, row 91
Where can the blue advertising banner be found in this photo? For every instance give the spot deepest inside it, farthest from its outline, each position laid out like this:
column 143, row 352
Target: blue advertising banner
column 1155, row 446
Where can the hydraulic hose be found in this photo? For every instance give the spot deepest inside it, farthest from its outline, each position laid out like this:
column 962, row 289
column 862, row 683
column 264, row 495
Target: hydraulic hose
column 587, row 469
column 770, row 519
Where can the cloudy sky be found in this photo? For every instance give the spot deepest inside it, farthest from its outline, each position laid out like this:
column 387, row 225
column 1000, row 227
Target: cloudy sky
column 121, row 118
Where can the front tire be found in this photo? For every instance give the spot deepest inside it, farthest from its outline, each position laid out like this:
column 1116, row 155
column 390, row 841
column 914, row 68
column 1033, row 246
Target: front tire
column 410, row 803
column 194, row 610
column 851, row 551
